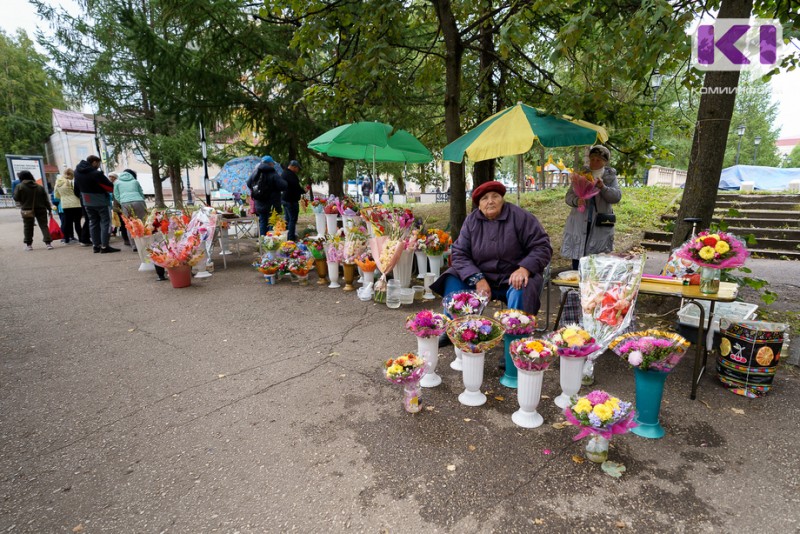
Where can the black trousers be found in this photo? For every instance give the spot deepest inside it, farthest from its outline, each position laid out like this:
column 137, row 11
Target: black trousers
column 72, row 224
column 27, row 226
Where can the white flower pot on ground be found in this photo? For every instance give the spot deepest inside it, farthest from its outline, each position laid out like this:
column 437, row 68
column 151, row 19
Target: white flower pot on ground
column 529, row 391
column 402, row 271
column 422, row 263
column 333, row 274
column 435, row 263
column 319, row 222
column 571, row 374
column 428, row 348
column 457, row 364
column 141, row 249
column 330, row 221
column 367, row 277
column 473, row 379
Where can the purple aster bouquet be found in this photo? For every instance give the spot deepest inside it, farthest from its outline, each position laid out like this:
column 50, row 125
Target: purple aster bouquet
column 516, row 322
column 651, row 349
column 464, row 303
column 474, row 333
column 427, row 323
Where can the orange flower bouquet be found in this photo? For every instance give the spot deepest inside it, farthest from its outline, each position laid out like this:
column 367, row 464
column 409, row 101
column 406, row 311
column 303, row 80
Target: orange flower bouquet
column 177, row 251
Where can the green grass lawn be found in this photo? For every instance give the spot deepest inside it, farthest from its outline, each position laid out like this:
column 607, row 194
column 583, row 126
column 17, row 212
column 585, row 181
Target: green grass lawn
column 639, row 210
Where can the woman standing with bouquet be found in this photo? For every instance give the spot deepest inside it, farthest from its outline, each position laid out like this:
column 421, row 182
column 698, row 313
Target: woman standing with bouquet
column 590, row 224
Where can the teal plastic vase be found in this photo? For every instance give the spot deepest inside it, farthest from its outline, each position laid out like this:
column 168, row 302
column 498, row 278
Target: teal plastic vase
column 509, row 378
column 649, row 391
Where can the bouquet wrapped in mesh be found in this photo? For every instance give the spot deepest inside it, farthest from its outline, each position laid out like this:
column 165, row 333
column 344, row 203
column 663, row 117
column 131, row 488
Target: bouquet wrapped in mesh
column 475, row 333
column 405, row 369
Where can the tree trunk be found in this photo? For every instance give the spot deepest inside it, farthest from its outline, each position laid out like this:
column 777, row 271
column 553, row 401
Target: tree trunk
column 159, row 192
column 336, row 177
column 710, row 138
column 483, row 171
column 177, row 185
column 454, row 49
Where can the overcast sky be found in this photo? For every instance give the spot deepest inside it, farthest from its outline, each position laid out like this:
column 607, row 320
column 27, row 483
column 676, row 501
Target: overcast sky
column 20, row 14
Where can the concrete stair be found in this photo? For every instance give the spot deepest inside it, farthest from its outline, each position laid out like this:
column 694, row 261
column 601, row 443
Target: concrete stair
column 772, row 220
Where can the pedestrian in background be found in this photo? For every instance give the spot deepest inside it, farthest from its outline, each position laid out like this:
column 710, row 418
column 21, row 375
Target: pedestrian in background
column 71, row 206
column 34, row 206
column 291, row 198
column 94, row 190
column 129, row 195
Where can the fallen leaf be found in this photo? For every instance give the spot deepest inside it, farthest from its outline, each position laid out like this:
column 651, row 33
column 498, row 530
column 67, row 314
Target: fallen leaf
column 707, row 404
column 738, row 411
column 577, row 459
column 544, row 397
column 342, row 375
column 612, row 469
column 334, row 354
column 172, row 320
column 451, row 467
column 621, row 524
column 499, row 398
column 429, row 408
column 471, row 447
column 78, row 528
column 538, row 521
column 220, row 376
column 467, row 419
column 559, row 426
column 131, row 329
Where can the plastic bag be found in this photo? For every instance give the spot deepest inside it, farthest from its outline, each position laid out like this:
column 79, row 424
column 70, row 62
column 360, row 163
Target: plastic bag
column 55, row 230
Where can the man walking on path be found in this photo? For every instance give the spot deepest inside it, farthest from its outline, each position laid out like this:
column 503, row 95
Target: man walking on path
column 291, row 198
column 35, row 205
column 266, row 186
column 93, row 188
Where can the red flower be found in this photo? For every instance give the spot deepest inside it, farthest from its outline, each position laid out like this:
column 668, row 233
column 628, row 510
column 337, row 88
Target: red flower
column 609, row 316
column 468, row 335
column 709, row 241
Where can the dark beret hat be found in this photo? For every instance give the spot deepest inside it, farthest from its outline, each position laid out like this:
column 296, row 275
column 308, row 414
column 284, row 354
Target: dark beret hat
column 487, row 187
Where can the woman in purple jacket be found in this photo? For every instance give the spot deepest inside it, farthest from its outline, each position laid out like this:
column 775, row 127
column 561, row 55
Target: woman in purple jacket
column 501, row 251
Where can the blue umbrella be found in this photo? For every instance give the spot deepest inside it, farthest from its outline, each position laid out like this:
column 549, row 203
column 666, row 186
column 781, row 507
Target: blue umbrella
column 234, row 174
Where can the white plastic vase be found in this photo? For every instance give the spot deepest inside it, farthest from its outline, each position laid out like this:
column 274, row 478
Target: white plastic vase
column 457, row 363
column 473, row 379
column 333, row 274
column 141, row 248
column 402, row 270
column 422, row 263
column 436, row 264
column 571, row 375
column 428, row 348
column 319, row 221
column 330, row 221
column 529, row 391
column 367, row 278
column 202, row 267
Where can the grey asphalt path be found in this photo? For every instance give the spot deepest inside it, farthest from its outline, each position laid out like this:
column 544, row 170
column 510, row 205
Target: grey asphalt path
column 232, row 406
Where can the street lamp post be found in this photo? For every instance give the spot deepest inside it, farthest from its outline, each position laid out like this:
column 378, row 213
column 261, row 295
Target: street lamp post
column 756, row 142
column 205, row 163
column 655, row 83
column 740, row 133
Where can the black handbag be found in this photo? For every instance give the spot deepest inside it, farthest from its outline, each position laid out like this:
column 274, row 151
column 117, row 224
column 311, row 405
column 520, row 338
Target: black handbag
column 605, row 219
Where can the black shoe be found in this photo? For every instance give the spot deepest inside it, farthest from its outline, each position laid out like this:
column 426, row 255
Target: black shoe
column 108, row 250
column 83, row 243
column 126, row 243
column 96, row 249
column 444, row 341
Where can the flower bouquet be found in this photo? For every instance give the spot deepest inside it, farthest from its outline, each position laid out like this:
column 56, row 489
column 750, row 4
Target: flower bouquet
column 584, row 186
column 573, row 345
column 474, row 335
column 516, row 322
column 365, row 262
column 300, row 263
column 407, row 370
column 178, row 255
column 270, row 242
column 653, row 354
column 316, row 247
column 601, row 415
column 269, row 266
column 330, row 208
column 530, row 357
column 436, row 242
column 142, row 234
column 428, row 325
column 318, row 205
column 609, row 286
column 204, row 222
column 712, row 253
column 334, row 254
column 389, row 242
column 464, row 303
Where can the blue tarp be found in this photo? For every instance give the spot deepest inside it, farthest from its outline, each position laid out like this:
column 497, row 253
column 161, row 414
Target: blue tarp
column 765, row 178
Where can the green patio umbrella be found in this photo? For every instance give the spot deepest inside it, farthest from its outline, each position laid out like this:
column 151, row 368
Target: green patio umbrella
column 512, row 132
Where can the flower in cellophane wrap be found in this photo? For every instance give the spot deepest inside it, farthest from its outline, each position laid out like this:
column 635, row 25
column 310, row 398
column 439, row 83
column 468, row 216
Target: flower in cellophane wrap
column 204, row 222
column 583, row 184
column 475, row 333
column 271, row 241
column 365, row 262
column 719, row 250
column 531, row 354
column 609, row 286
column 177, row 251
column 318, row 205
column 270, row 265
column 427, row 323
column 404, row 369
column 355, row 243
column 572, row 341
column 436, row 242
column 516, row 322
column 299, row 261
column 316, row 247
column 334, row 248
column 601, row 414
column 651, row 349
column 136, row 227
column 464, row 303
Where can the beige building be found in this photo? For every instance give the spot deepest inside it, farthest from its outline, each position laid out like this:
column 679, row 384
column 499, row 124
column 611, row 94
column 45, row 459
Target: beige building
column 73, row 140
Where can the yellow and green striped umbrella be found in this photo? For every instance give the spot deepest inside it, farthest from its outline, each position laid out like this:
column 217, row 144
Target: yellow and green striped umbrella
column 512, row 132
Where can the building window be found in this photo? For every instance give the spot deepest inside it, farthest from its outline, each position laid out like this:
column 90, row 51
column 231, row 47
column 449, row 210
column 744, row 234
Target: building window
column 82, row 152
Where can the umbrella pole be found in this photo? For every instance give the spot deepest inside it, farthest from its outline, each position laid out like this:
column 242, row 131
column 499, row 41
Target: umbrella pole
column 520, row 172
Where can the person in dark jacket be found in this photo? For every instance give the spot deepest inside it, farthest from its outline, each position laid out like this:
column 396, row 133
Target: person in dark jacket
column 501, row 252
column 269, row 199
column 291, row 198
column 94, row 190
column 32, row 197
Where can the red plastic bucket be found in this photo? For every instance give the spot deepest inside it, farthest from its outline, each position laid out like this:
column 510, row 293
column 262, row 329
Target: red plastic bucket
column 180, row 276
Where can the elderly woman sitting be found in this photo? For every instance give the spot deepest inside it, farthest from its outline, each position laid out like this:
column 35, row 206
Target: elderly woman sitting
column 501, row 252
